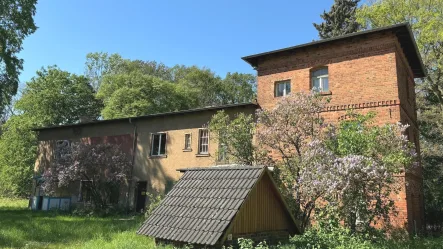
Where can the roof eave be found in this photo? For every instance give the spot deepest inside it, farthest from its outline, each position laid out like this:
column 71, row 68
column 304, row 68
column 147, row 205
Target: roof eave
column 253, row 59
column 211, row 108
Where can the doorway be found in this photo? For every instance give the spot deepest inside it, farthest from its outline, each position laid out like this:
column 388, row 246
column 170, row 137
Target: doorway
column 141, row 196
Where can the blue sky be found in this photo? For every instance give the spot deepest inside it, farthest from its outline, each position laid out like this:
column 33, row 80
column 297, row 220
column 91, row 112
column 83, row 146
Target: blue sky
column 213, row 34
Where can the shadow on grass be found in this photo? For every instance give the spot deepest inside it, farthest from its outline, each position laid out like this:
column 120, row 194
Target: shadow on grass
column 22, row 227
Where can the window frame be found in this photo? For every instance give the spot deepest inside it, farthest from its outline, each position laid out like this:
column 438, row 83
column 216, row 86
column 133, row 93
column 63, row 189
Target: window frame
column 87, row 197
column 190, row 142
column 321, row 77
column 159, row 147
column 285, row 82
column 199, row 149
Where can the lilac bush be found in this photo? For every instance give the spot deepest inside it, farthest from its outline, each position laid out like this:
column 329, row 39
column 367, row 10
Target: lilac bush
column 350, row 168
column 105, row 166
column 289, row 132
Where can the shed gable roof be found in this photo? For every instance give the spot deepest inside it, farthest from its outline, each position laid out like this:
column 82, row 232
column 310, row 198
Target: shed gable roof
column 201, row 205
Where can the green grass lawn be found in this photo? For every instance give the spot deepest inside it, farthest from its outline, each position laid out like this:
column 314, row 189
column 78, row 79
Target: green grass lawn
column 22, row 228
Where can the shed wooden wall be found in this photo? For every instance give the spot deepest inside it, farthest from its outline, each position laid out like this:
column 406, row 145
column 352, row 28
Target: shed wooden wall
column 263, row 211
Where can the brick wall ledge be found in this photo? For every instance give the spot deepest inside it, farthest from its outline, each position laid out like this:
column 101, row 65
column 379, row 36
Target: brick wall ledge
column 333, row 108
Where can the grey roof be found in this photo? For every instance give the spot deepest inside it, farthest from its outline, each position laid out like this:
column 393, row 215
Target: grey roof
column 201, row 204
column 209, row 108
column 402, row 30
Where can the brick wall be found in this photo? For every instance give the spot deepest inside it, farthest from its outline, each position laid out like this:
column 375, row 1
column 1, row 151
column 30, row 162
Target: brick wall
column 367, row 73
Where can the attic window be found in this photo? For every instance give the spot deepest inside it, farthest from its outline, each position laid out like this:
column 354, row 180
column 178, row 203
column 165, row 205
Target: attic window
column 158, row 145
column 320, row 80
column 282, row 88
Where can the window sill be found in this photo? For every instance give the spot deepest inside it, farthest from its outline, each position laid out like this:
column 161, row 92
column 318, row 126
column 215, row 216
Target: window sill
column 325, row 93
column 202, row 155
column 157, row 157
column 187, row 150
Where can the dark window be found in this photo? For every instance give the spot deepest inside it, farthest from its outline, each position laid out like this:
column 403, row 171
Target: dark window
column 158, row 147
column 282, row 88
column 320, row 80
column 188, row 141
column 85, row 191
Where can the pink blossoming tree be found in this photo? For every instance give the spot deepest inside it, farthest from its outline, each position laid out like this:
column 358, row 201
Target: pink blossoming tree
column 104, row 166
column 350, row 168
column 287, row 132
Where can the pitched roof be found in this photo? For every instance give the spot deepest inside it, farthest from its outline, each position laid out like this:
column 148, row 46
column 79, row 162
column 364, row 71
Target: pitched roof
column 402, row 31
column 129, row 119
column 201, row 205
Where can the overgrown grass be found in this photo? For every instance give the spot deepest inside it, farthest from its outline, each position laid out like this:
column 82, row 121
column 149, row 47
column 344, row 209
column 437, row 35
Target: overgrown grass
column 22, row 228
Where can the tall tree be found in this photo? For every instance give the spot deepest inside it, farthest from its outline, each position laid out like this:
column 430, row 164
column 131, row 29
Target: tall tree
column 136, row 94
column 136, row 87
column 340, row 20
column 16, row 23
column 426, row 20
column 53, row 97
column 57, row 97
column 101, row 64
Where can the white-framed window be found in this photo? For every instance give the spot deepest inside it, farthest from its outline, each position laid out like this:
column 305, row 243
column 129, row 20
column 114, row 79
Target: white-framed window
column 158, row 144
column 282, row 88
column 187, row 141
column 203, row 141
column 320, row 80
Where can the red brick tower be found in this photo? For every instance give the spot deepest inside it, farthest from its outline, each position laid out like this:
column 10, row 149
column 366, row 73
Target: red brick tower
column 365, row 71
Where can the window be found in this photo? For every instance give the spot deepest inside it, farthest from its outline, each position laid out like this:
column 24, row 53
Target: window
column 203, row 141
column 282, row 88
column 320, row 80
column 187, row 141
column 158, row 147
column 85, row 192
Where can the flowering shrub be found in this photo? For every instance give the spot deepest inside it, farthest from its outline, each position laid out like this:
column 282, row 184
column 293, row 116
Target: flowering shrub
column 362, row 178
column 350, row 168
column 288, row 132
column 104, row 166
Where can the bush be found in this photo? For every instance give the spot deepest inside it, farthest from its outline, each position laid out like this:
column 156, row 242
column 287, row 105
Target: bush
column 318, row 238
column 154, row 201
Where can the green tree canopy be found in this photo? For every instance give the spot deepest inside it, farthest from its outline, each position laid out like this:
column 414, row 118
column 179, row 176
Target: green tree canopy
column 56, row 97
column 53, row 97
column 136, row 94
column 426, row 20
column 16, row 23
column 135, row 87
column 340, row 20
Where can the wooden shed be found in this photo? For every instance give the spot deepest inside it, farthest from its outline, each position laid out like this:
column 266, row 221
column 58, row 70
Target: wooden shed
column 217, row 205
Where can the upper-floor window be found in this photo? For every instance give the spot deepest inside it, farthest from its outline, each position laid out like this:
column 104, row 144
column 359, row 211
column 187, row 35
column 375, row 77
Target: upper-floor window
column 320, row 80
column 187, row 141
column 158, row 146
column 282, row 88
column 203, row 141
